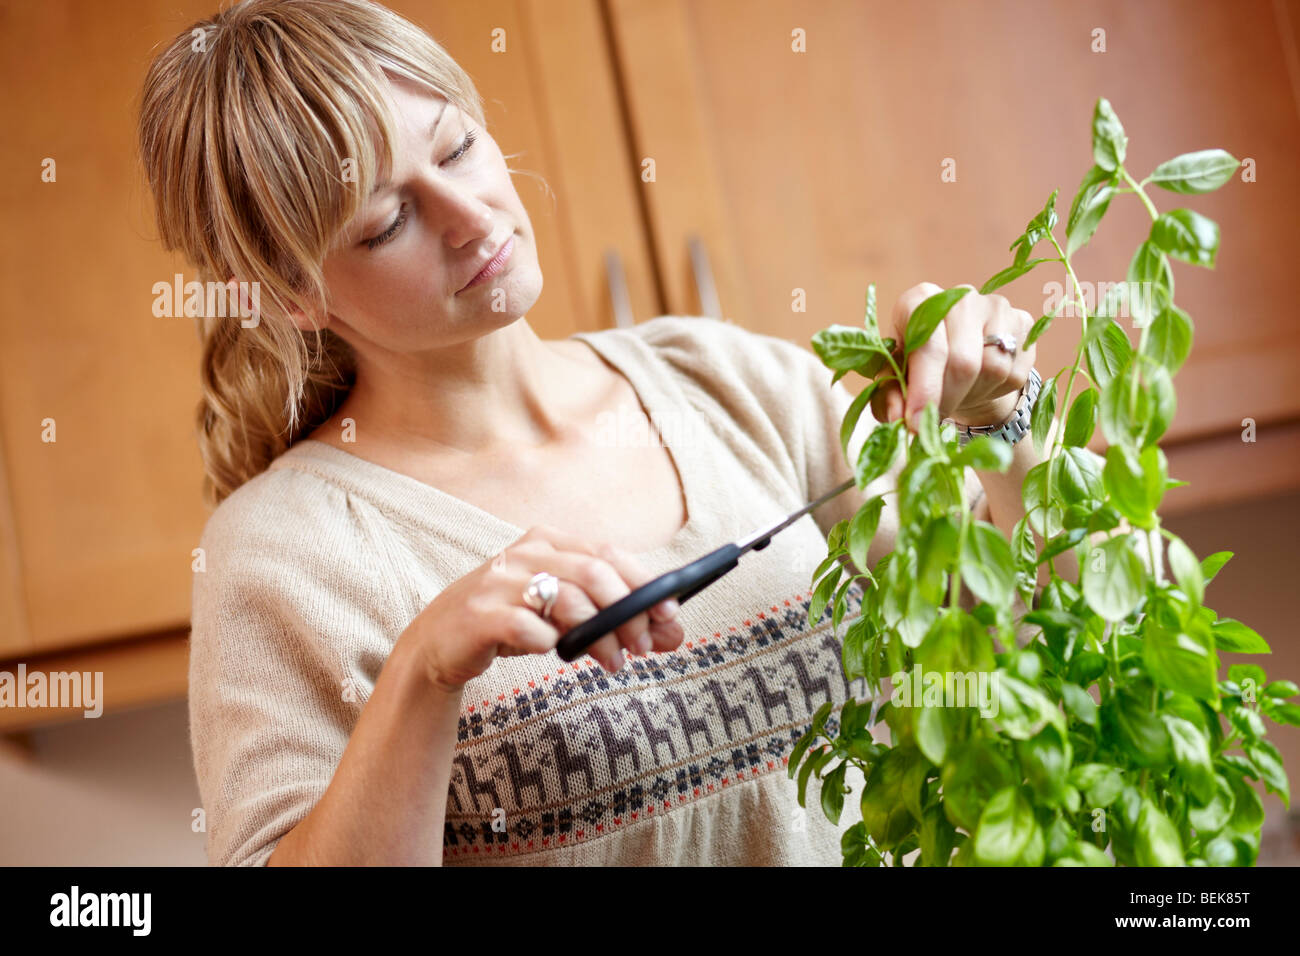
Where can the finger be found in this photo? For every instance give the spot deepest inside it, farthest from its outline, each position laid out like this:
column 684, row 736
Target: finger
column 626, row 563
column 925, row 374
column 665, row 631
column 996, row 373
column 534, row 552
column 961, row 376
column 603, row 586
column 905, row 306
column 887, row 402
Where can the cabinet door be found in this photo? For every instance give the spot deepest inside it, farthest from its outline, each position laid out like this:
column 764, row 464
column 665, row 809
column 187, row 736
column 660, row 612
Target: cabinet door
column 820, row 171
column 97, row 527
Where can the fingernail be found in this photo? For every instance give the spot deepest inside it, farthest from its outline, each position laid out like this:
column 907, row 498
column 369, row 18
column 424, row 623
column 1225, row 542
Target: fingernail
column 618, row 660
column 643, row 644
column 665, row 610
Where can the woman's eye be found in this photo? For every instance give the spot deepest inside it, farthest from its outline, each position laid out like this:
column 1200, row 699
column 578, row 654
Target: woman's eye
column 391, row 231
column 463, row 148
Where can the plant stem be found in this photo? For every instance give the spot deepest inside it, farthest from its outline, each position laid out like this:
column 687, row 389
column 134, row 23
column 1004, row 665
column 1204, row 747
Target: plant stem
column 1057, row 445
column 1155, row 214
column 1137, row 188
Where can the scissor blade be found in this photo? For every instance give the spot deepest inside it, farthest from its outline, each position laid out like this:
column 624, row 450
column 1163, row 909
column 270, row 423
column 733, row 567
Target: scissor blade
column 746, row 543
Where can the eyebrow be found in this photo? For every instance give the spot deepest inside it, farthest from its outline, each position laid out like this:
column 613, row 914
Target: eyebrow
column 385, row 185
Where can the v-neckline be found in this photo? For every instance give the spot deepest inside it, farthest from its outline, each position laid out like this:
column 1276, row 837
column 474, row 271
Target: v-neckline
column 654, row 389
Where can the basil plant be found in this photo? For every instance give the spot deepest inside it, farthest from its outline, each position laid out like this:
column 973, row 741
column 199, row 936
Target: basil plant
column 1035, row 720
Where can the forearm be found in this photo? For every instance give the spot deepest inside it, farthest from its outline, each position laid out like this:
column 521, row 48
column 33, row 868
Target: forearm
column 1003, row 505
column 387, row 800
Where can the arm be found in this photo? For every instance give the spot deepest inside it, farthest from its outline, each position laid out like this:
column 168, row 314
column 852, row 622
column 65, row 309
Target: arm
column 387, row 800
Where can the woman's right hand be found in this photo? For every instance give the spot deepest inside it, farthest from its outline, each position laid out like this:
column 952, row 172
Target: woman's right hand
column 483, row 615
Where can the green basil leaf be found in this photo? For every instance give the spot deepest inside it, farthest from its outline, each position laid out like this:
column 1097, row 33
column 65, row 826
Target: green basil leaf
column 1282, row 689
column 1088, row 207
column 1211, row 816
column 1109, row 142
column 1041, row 325
column 1045, row 760
column 1127, row 719
column 1186, row 569
column 1023, row 710
column 862, row 530
column 1169, row 339
column 893, row 790
column 1248, row 813
column 1268, row 762
column 987, row 567
column 833, row 793
column 1011, row 273
column 1180, row 660
column 1135, row 482
column 931, row 735
column 970, row 776
column 1040, row 419
column 1005, row 828
column 1232, row 635
column 1149, row 268
column 1082, row 418
column 1200, row 172
column 1100, row 782
column 1156, row 841
column 878, row 452
column 927, row 316
column 1114, row 578
column 984, row 453
column 845, row 348
column 1080, row 476
column 1108, row 353
column 1211, row 565
column 869, row 319
column 854, row 413
column 1079, row 703
column 1188, row 236
column 1192, row 757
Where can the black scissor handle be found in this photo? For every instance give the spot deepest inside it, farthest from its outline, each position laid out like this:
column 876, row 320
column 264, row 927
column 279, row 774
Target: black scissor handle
column 682, row 584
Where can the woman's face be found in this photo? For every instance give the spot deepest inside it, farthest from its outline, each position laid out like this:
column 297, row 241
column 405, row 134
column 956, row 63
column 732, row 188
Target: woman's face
column 397, row 275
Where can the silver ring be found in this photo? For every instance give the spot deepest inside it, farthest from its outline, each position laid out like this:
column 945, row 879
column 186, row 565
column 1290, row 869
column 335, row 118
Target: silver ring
column 541, row 593
column 1005, row 343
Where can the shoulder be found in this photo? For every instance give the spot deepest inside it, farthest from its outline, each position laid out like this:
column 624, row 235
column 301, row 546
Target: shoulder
column 727, row 362
column 695, row 341
column 282, row 506
column 285, row 533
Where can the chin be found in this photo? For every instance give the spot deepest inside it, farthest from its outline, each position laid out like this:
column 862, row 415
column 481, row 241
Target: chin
column 520, row 293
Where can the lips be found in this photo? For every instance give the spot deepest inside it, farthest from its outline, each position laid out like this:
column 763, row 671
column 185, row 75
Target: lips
column 495, row 263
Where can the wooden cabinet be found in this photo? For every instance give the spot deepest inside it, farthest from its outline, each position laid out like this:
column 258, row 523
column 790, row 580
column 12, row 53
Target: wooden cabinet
column 820, row 170
column 97, row 527
column 713, row 159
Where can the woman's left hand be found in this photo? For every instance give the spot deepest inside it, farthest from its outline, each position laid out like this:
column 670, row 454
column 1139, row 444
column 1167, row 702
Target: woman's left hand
column 972, row 383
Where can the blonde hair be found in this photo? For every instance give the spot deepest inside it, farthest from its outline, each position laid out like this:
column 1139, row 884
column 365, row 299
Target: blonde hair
column 246, row 121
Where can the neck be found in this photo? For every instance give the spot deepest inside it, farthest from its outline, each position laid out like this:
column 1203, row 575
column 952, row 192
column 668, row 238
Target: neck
column 504, row 390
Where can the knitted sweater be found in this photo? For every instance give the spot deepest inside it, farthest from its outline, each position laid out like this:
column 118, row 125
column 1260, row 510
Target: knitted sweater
column 314, row 568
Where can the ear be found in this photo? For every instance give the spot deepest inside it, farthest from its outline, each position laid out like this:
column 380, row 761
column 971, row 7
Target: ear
column 249, row 298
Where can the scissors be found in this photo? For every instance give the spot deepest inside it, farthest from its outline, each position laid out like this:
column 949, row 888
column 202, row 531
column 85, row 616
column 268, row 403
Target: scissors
column 682, row 584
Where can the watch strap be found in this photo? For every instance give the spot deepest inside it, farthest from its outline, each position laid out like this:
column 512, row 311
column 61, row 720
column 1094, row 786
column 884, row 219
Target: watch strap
column 1015, row 427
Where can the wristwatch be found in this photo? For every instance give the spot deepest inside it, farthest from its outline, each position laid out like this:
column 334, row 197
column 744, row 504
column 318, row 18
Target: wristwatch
column 1016, row 427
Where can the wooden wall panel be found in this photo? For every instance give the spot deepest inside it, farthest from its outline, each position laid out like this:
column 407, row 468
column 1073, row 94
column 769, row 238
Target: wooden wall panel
column 821, row 170
column 97, row 527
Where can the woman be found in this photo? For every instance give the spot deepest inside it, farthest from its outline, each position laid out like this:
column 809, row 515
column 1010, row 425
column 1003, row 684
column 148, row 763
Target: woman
column 371, row 680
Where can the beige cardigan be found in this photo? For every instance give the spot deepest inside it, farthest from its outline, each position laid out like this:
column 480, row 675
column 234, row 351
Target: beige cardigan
column 316, row 566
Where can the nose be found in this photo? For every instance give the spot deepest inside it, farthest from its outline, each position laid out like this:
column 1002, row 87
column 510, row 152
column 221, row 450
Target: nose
column 463, row 216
